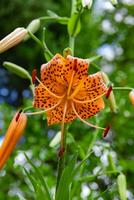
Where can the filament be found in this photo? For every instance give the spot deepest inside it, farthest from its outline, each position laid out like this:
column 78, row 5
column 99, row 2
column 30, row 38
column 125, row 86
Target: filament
column 88, row 101
column 85, row 122
column 55, row 95
column 43, row 111
column 62, row 126
column 70, row 84
column 77, row 89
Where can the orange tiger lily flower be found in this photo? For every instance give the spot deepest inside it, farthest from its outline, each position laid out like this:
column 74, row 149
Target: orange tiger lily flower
column 12, row 136
column 66, row 91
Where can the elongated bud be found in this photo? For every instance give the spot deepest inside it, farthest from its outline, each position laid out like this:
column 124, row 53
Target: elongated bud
column 131, row 97
column 33, row 27
column 18, row 115
column 87, row 3
column 16, row 69
column 122, row 186
column 12, row 39
column 114, row 2
column 13, row 134
column 111, row 99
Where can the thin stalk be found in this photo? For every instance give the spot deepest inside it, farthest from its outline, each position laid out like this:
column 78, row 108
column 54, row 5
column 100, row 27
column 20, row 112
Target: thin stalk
column 122, row 88
column 72, row 43
column 61, row 159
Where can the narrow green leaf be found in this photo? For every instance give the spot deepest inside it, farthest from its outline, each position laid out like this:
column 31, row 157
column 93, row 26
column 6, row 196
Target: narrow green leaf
column 74, row 25
column 31, row 179
column 40, row 177
column 93, row 58
column 122, row 186
column 65, row 181
column 51, row 13
column 16, row 69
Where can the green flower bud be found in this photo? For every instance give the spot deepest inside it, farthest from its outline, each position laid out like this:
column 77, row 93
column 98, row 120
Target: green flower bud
column 111, row 98
column 33, row 27
column 17, row 70
column 122, row 186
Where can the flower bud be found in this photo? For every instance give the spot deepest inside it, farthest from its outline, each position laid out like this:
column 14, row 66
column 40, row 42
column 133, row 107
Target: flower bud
column 12, row 136
column 131, row 97
column 111, row 97
column 32, row 27
column 114, row 2
column 12, row 39
column 122, row 186
column 87, row 3
column 16, row 69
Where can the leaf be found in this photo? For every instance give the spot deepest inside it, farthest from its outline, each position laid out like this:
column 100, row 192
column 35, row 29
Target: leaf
column 74, row 25
column 65, row 181
column 40, row 178
column 122, row 186
column 51, row 13
column 56, row 140
column 17, row 70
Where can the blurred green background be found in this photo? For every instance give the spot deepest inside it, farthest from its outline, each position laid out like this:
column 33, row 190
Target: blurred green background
column 106, row 30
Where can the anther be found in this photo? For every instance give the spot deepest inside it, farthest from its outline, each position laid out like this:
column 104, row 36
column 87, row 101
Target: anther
column 106, row 131
column 18, row 115
column 61, row 152
column 34, row 74
column 109, row 92
column 75, row 65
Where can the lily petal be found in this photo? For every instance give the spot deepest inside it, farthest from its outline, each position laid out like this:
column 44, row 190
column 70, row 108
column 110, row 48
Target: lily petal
column 12, row 136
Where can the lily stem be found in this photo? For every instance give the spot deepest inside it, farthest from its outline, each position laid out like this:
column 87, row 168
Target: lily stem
column 61, row 159
column 71, row 43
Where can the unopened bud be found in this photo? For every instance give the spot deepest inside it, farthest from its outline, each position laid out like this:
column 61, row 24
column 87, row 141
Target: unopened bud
column 16, row 69
column 111, row 99
column 114, row 2
column 33, row 27
column 12, row 39
column 87, row 3
column 131, row 97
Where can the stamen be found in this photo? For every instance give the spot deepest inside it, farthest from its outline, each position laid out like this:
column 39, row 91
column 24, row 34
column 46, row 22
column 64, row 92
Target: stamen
column 88, row 101
column 62, row 126
column 18, row 115
column 77, row 89
column 34, row 75
column 51, row 93
column 106, row 131
column 70, row 84
column 109, row 92
column 75, row 65
column 43, row 111
column 85, row 122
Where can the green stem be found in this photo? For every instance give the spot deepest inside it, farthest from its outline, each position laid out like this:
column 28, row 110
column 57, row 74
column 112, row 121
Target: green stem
column 82, row 164
column 71, row 43
column 63, row 20
column 61, row 160
column 122, row 88
column 92, row 177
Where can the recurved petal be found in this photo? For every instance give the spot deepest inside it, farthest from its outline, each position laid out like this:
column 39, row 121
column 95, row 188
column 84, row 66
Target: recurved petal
column 53, row 70
column 42, row 98
column 13, row 134
column 87, row 110
column 56, row 115
column 79, row 65
column 93, row 87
